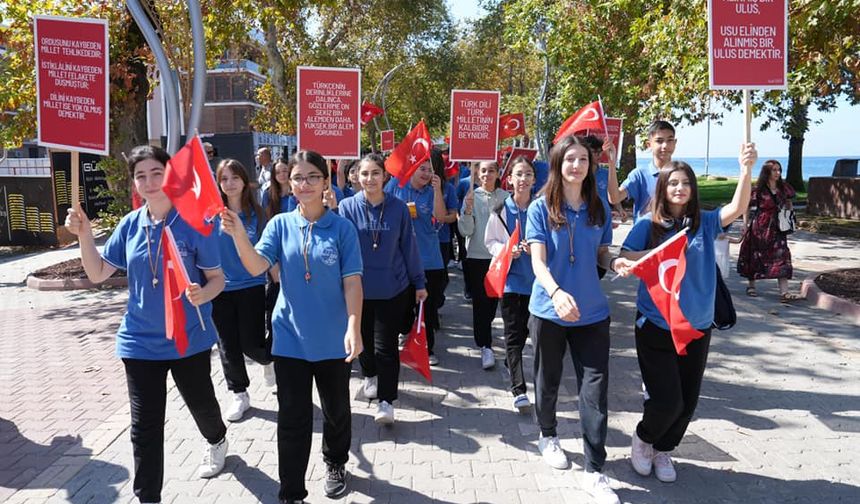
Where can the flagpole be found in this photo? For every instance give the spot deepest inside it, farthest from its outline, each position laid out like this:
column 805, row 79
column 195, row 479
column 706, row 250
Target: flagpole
column 603, row 115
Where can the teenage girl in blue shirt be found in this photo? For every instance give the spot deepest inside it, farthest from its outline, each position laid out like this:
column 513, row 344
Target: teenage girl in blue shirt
column 393, row 280
column 673, row 381
column 316, row 322
column 569, row 231
column 521, row 277
column 240, row 310
column 424, row 198
column 142, row 344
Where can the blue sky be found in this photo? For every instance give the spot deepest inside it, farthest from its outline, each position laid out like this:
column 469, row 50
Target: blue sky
column 836, row 134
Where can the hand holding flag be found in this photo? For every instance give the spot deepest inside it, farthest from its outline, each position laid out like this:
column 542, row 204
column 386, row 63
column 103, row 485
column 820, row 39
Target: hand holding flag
column 409, row 154
column 415, row 353
column 175, row 283
column 189, row 184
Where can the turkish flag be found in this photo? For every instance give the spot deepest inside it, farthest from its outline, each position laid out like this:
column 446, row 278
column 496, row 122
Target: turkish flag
column 409, row 153
column 590, row 116
column 189, row 184
column 494, row 282
column 175, row 282
column 369, row 111
column 452, row 168
column 662, row 270
column 511, row 125
column 415, row 353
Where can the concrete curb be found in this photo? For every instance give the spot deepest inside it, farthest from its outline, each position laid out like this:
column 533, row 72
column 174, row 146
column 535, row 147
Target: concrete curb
column 74, row 284
column 829, row 302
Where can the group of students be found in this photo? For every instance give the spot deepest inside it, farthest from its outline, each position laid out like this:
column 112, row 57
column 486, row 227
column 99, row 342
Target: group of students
column 364, row 262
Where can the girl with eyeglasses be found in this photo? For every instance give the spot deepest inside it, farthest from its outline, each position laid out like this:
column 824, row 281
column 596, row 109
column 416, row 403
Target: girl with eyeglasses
column 320, row 273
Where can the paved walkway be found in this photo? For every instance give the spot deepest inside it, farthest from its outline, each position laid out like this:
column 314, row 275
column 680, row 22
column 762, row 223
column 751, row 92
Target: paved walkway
column 778, row 420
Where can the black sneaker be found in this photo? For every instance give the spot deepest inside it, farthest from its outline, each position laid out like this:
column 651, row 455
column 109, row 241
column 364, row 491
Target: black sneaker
column 292, row 501
column 335, row 481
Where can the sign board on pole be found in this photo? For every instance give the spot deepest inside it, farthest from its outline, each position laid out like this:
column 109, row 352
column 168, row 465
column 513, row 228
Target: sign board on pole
column 329, row 111
column 516, row 152
column 474, row 125
column 72, row 72
column 386, row 138
column 614, row 130
column 748, row 44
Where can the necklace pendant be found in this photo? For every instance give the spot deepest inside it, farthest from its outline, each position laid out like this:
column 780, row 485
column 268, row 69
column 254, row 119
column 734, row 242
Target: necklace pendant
column 571, row 258
column 154, row 282
column 308, row 277
column 375, row 245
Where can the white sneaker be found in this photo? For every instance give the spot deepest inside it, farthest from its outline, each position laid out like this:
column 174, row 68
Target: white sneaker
column 241, row 403
column 663, row 467
column 597, row 485
column 269, row 378
column 384, row 413
column 433, row 360
column 641, row 454
column 488, row 359
column 550, row 450
column 521, row 402
column 371, row 385
column 645, row 394
column 213, row 459
column 401, row 340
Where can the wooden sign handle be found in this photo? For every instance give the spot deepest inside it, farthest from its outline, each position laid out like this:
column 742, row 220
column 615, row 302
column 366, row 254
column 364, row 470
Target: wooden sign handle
column 75, row 165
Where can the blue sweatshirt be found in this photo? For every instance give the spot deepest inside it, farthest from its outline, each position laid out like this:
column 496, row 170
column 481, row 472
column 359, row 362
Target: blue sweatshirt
column 395, row 263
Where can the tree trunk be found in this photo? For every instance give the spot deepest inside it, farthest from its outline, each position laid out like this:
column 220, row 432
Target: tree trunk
column 795, row 129
column 276, row 61
column 628, row 155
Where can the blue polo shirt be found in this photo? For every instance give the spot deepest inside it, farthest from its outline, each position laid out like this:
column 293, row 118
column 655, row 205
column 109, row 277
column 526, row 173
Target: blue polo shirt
column 309, row 319
column 288, row 203
column 235, row 274
column 699, row 285
column 451, row 203
column 640, row 185
column 395, row 263
column 426, row 231
column 521, row 276
column 601, row 176
column 580, row 279
column 142, row 332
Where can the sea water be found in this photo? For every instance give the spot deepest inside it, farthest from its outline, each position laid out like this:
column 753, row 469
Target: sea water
column 728, row 167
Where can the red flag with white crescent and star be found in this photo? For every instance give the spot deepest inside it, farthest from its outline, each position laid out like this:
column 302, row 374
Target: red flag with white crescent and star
column 369, row 111
column 500, row 266
column 511, row 125
column 413, row 150
column 590, row 117
column 662, row 271
column 415, row 353
column 189, row 184
column 175, row 282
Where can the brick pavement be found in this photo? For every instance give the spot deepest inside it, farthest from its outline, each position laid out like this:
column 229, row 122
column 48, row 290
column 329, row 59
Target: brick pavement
column 778, row 419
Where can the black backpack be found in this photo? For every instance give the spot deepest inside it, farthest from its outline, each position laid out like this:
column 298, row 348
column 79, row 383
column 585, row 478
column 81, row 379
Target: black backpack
column 725, row 316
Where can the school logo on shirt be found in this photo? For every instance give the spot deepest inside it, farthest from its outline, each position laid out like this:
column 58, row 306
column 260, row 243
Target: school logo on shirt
column 329, row 256
column 184, row 248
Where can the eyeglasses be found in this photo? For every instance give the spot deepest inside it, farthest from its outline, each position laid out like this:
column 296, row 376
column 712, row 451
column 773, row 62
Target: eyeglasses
column 312, row 180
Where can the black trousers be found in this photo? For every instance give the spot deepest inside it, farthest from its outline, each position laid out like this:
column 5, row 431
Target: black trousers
column 673, row 383
column 515, row 314
column 435, row 285
column 381, row 321
column 296, row 416
column 147, row 396
column 447, row 251
column 483, row 306
column 461, row 243
column 589, row 350
column 272, row 291
column 240, row 317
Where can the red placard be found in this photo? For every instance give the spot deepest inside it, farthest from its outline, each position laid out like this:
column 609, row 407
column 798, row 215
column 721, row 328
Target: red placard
column 329, row 111
column 474, row 125
column 614, row 127
column 386, row 138
column 72, row 71
column 516, row 152
column 748, row 44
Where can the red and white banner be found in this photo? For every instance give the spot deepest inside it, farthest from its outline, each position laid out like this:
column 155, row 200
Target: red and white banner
column 512, row 125
column 516, row 152
column 748, row 44
column 386, row 138
column 474, row 125
column 72, row 76
column 329, row 111
column 614, row 127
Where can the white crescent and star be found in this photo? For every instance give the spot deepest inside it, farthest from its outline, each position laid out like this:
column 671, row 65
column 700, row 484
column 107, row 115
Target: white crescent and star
column 593, row 115
column 513, row 124
column 195, row 188
column 661, row 273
